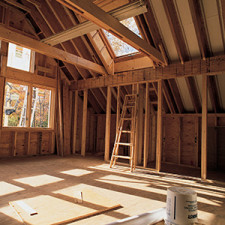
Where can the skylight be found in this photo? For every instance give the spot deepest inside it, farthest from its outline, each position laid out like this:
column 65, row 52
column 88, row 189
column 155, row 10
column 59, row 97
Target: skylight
column 119, row 47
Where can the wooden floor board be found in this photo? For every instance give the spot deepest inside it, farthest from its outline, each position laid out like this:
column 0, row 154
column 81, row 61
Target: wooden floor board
column 137, row 192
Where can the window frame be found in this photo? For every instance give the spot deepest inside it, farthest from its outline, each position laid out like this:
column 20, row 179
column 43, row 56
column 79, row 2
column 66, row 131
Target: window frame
column 32, row 59
column 29, row 105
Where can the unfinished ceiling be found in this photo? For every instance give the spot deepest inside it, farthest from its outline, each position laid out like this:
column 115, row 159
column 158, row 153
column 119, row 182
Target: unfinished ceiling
column 179, row 30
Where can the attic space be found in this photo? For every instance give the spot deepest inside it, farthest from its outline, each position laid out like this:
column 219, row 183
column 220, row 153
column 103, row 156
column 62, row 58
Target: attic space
column 106, row 104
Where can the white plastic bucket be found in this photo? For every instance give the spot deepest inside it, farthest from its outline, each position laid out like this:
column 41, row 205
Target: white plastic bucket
column 181, row 206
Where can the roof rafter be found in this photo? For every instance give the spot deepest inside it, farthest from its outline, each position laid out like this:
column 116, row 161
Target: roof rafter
column 181, row 49
column 85, row 27
column 9, row 35
column 95, row 14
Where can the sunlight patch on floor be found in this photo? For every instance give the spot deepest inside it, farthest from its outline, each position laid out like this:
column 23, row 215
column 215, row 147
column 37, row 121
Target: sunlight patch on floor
column 36, row 181
column 77, row 172
column 6, row 188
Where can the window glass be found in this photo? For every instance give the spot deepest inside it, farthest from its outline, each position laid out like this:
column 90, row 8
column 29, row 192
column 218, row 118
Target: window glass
column 119, row 47
column 40, row 111
column 15, row 105
column 19, row 57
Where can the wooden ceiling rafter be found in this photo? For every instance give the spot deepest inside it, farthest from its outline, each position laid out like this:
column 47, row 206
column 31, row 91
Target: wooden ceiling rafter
column 182, row 50
column 95, row 14
column 158, row 42
column 201, row 32
column 58, row 12
column 104, row 63
column 72, row 69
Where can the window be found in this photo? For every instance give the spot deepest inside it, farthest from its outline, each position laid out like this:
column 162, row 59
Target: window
column 41, row 100
column 119, row 47
column 15, row 105
column 19, row 57
column 18, row 111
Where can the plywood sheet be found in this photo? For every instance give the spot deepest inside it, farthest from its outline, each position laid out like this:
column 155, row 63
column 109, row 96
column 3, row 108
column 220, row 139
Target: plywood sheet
column 59, row 210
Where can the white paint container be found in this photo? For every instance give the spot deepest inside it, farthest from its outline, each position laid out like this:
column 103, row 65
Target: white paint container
column 181, row 206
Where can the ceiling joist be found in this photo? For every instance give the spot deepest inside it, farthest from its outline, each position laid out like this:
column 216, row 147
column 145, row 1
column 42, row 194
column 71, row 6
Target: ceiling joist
column 9, row 35
column 86, row 27
column 95, row 14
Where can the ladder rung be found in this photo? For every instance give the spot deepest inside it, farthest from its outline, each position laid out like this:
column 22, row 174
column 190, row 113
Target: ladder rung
column 126, row 144
column 126, row 131
column 126, row 118
column 122, row 156
column 129, row 106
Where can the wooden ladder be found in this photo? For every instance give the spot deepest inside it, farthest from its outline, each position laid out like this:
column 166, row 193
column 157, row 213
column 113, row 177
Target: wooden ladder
column 129, row 114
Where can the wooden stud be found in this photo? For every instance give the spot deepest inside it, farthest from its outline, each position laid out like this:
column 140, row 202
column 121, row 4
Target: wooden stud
column 204, row 128
column 108, row 122
column 136, row 90
column 147, row 121
column 159, row 128
column 180, row 141
column 140, row 128
column 118, row 108
column 84, row 123
column 75, row 121
column 2, row 88
column 60, row 118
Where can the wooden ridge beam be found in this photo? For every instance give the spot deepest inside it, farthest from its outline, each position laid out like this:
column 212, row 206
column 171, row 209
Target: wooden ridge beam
column 9, row 35
column 95, row 14
column 211, row 66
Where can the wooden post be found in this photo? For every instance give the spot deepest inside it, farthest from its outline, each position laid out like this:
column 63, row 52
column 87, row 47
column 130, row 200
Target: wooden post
column 147, row 121
column 159, row 128
column 204, row 128
column 118, row 108
column 75, row 121
column 84, row 123
column 136, row 90
column 60, row 119
column 107, row 125
column 140, row 128
column 179, row 144
column 2, row 88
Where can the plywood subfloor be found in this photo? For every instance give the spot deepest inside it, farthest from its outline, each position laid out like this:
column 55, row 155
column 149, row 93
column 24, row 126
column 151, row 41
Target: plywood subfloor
column 137, row 193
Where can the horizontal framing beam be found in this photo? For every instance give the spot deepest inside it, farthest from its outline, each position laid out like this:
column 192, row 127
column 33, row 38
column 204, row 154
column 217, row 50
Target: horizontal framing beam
column 210, row 66
column 29, row 77
column 9, row 35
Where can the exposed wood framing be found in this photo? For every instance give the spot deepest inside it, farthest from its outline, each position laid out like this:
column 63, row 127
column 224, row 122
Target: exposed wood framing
column 140, row 122
column 75, row 121
column 2, row 88
column 98, row 16
column 198, row 21
column 133, row 64
column 210, row 66
column 18, row 5
column 28, row 77
column 9, row 35
column 130, row 10
column 108, row 122
column 159, row 128
column 204, row 127
column 60, row 118
column 84, row 123
column 118, row 108
column 147, row 123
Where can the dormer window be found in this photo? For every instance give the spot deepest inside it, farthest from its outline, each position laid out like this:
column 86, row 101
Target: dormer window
column 119, row 47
